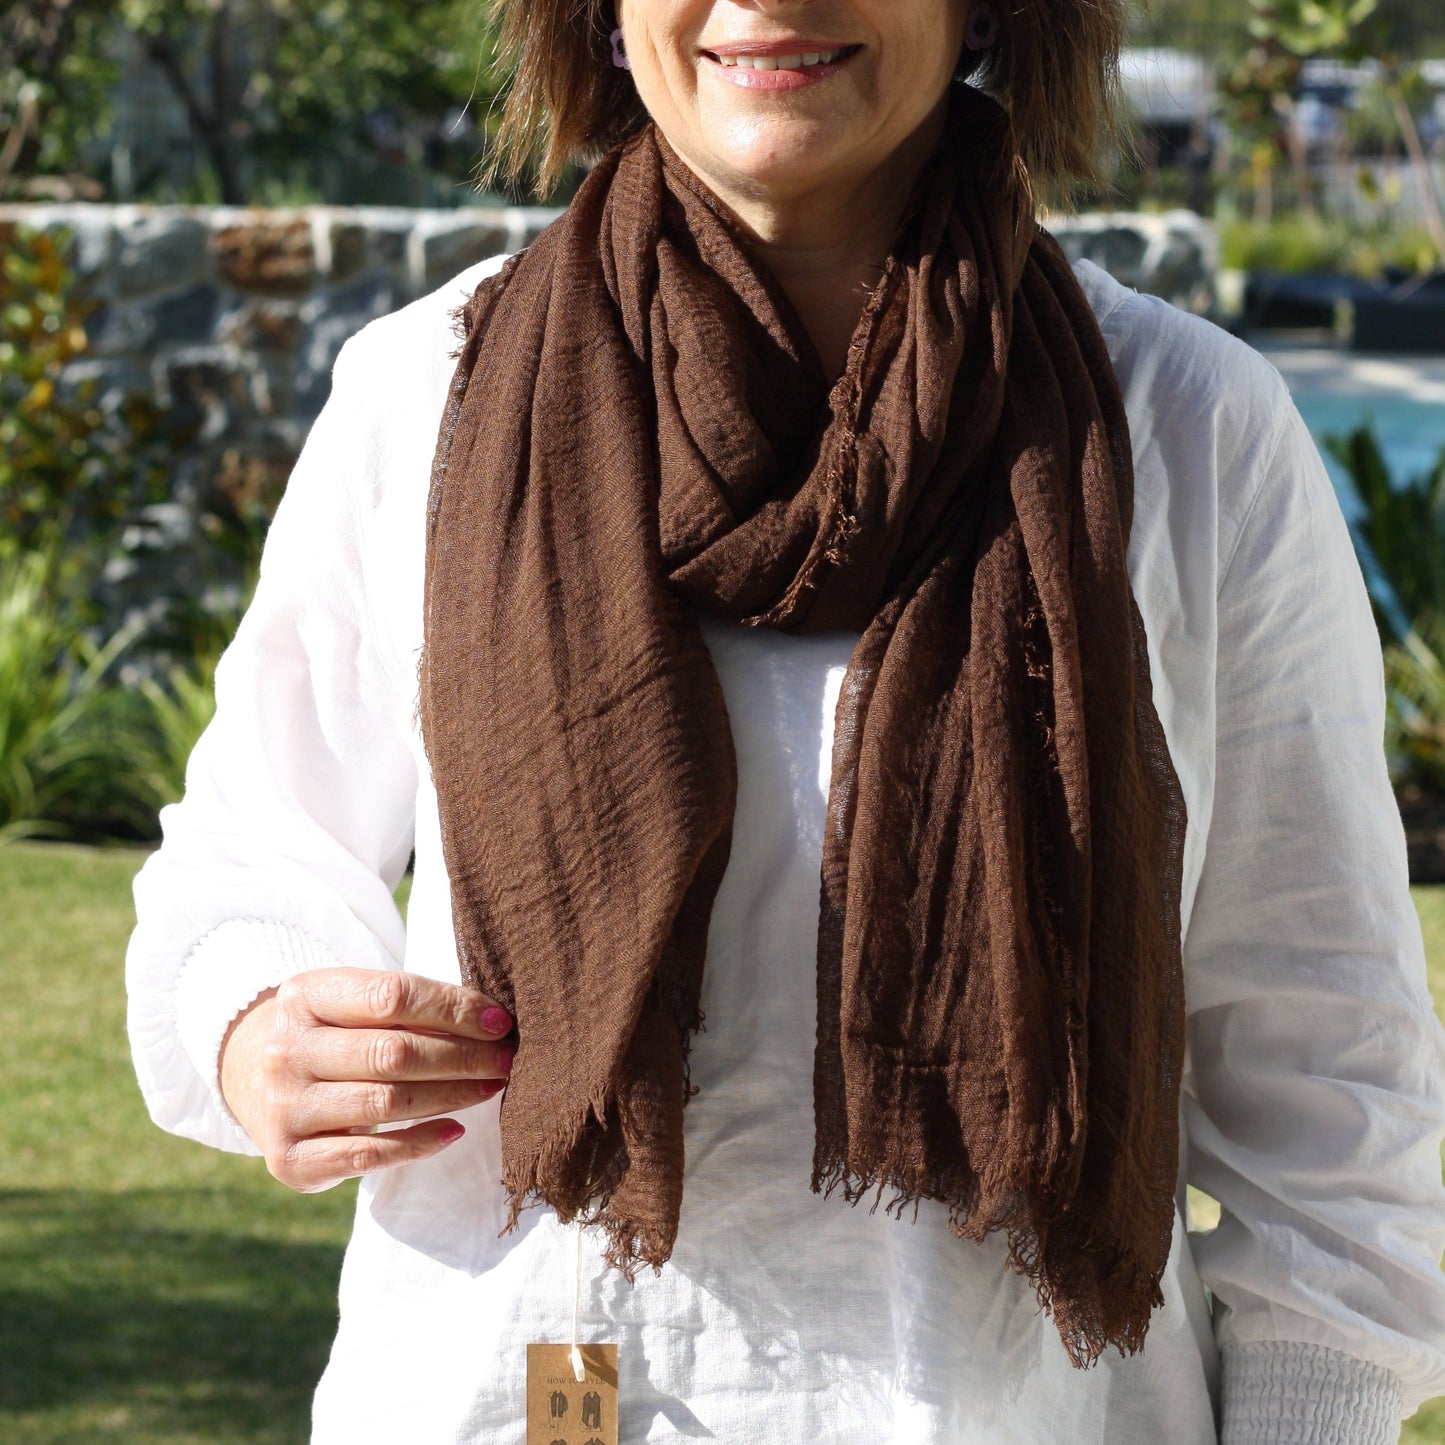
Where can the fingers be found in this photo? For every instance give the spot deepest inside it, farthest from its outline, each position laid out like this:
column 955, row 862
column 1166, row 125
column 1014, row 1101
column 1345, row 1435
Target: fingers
column 339, row 1107
column 395, row 1054
column 367, row 998
column 315, row 1163
column 350, row 1049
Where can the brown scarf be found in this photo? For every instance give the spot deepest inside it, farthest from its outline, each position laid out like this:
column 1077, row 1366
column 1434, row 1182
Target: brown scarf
column 639, row 427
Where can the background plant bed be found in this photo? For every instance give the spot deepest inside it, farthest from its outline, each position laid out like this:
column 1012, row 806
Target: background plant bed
column 1422, row 810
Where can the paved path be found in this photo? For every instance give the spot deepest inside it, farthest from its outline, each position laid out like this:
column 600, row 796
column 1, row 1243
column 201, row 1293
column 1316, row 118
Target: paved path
column 1323, row 371
column 1401, row 397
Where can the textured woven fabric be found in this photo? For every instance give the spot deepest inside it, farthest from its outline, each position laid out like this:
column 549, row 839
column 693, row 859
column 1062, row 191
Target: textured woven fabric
column 1288, row 1392
column 639, row 425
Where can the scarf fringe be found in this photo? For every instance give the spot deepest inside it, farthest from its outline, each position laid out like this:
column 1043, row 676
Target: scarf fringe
column 631, row 1242
column 542, row 1180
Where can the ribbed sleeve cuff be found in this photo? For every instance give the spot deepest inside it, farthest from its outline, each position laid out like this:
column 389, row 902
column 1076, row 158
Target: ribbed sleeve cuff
column 1286, row 1392
column 222, row 976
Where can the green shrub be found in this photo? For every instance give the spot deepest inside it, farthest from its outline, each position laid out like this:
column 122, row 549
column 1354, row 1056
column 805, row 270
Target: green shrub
column 77, row 461
column 1402, row 529
column 1296, row 243
column 83, row 753
column 1400, row 536
column 90, row 473
column 177, row 713
column 1415, row 719
column 58, row 742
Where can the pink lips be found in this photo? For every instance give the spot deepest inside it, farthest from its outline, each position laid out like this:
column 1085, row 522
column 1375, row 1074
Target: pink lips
column 743, row 73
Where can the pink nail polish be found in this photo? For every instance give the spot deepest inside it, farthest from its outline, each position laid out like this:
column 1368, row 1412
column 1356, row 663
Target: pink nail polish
column 496, row 1020
column 451, row 1132
column 505, row 1055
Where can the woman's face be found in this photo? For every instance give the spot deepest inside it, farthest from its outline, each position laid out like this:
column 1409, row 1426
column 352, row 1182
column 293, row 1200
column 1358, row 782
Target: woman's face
column 773, row 99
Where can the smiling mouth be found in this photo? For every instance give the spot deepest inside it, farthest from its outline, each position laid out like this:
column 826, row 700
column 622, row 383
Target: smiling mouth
column 801, row 60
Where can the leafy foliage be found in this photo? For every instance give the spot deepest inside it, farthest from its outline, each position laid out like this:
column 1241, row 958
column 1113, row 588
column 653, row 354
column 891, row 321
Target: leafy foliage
column 1403, row 529
column 1352, row 30
column 178, row 712
column 54, row 748
column 1401, row 536
column 54, row 84
column 83, row 478
column 1416, row 27
column 83, row 751
column 1250, row 90
column 1313, row 27
column 76, row 462
column 86, row 471
column 271, row 86
column 1295, row 243
column 1415, row 720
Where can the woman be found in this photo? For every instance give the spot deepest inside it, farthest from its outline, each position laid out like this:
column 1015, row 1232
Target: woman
column 1058, row 655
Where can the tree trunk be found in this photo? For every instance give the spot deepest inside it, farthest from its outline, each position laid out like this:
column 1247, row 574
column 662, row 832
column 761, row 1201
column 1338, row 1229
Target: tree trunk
column 1294, row 146
column 51, row 29
column 206, row 125
column 223, row 107
column 1420, row 163
column 1262, row 171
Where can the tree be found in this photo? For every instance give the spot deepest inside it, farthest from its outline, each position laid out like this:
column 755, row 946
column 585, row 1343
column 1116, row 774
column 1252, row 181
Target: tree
column 1255, row 97
column 1416, row 27
column 51, row 70
column 261, row 80
column 1350, row 30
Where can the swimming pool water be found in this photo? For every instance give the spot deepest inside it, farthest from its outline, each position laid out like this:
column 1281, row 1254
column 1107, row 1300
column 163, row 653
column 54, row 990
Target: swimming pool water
column 1403, row 397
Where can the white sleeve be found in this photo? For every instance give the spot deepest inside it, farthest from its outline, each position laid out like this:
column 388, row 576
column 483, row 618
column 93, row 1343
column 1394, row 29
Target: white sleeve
column 298, row 814
column 1314, row 1103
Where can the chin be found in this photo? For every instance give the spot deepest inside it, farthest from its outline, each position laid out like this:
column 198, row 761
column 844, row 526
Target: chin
column 781, row 154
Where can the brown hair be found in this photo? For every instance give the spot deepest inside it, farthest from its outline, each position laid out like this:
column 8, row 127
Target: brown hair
column 1054, row 68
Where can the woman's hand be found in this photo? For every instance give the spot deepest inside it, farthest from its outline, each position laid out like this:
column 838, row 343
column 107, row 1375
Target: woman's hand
column 312, row 1068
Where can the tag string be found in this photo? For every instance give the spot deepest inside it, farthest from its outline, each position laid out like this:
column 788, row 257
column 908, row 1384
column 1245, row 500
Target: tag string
column 576, row 1354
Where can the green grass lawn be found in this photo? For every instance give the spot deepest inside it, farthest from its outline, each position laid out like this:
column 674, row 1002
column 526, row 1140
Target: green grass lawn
column 1427, row 1426
column 151, row 1289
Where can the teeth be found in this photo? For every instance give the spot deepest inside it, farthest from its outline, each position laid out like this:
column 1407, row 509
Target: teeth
column 781, row 62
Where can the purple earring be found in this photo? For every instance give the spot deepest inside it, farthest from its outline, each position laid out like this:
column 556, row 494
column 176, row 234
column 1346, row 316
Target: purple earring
column 619, row 55
column 982, row 29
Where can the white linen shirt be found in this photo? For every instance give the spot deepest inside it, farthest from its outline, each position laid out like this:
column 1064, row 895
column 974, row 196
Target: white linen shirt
column 1313, row 1104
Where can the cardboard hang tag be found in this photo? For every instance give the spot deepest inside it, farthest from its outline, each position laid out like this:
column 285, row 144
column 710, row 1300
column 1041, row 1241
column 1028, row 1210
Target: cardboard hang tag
column 563, row 1411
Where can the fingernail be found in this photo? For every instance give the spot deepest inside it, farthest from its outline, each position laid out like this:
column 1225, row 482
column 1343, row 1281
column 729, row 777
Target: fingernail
column 490, row 1088
column 451, row 1132
column 496, row 1020
column 505, row 1055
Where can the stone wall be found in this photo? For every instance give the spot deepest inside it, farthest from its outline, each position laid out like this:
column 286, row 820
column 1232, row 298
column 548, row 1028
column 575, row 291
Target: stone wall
column 236, row 316
column 240, row 314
